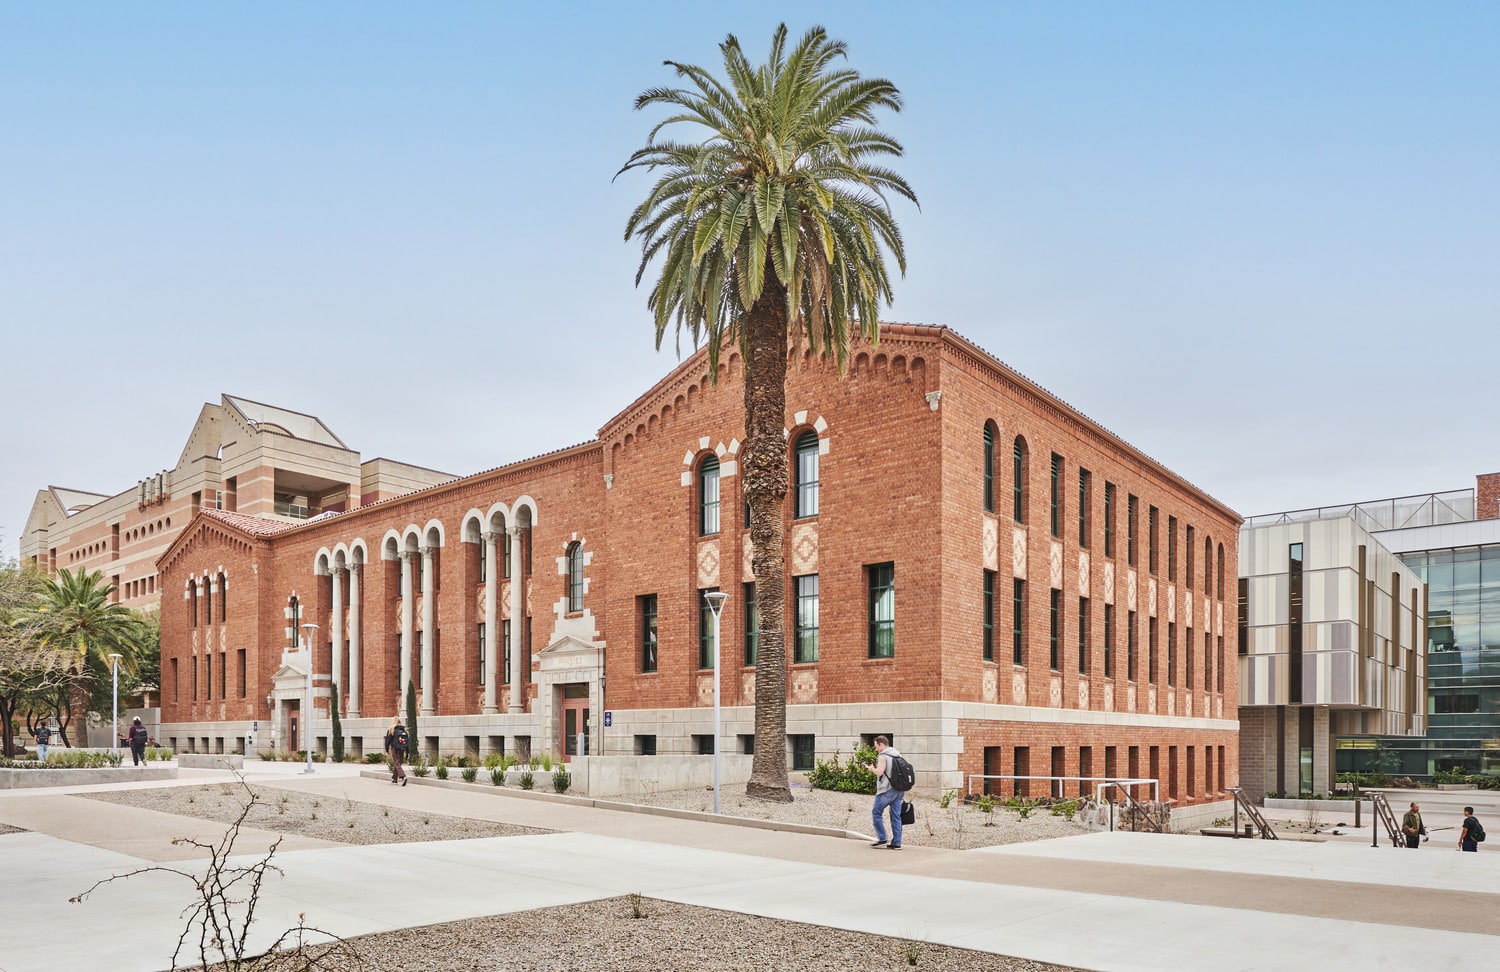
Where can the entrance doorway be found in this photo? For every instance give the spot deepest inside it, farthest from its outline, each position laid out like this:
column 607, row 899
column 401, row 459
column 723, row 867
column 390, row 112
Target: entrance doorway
column 575, row 720
column 294, row 709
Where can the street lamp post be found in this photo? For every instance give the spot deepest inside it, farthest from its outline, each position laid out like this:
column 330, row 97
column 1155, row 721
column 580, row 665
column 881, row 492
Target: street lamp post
column 716, row 601
column 307, row 707
column 114, row 679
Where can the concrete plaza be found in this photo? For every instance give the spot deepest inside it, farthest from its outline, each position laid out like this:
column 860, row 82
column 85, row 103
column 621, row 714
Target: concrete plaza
column 1098, row 901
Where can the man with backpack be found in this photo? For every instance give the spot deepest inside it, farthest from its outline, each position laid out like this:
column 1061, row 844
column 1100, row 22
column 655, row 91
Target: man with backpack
column 1470, row 833
column 138, row 736
column 893, row 777
column 396, row 743
column 43, row 734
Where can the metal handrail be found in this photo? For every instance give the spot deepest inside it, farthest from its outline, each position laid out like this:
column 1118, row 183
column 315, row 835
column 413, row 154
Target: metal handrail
column 1251, row 811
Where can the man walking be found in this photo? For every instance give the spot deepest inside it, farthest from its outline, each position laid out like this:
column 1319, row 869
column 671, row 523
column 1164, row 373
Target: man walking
column 886, row 796
column 1470, row 833
column 1411, row 826
column 43, row 736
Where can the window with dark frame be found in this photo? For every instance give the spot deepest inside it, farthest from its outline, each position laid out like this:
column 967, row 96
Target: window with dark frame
column 1109, row 519
column 1151, row 516
column 806, row 469
column 881, row 582
column 707, row 655
column 989, row 467
column 1172, row 549
column 1018, row 474
column 575, row 577
column 1109, row 640
column 505, row 652
column 1085, row 496
column 806, row 630
column 1130, row 645
column 1083, row 636
column 1131, row 509
column 752, row 625
column 708, row 496
column 1018, row 621
column 1187, row 574
column 1055, row 510
column 480, row 632
column 989, row 615
column 1054, row 627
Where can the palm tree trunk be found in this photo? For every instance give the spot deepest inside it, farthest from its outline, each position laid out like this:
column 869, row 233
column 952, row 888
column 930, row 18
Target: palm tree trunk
column 765, row 479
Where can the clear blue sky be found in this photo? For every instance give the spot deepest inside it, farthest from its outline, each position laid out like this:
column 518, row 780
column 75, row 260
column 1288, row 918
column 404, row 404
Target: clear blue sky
column 1259, row 241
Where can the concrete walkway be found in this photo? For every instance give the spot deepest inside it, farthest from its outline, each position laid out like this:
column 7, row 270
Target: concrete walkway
column 1100, row 901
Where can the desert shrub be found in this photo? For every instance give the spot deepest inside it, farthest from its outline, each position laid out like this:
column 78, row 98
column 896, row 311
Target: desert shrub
column 561, row 780
column 851, row 777
column 469, row 773
column 527, row 780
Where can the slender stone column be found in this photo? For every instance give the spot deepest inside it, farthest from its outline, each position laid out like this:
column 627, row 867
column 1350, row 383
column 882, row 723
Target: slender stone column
column 354, row 606
column 517, row 618
column 408, row 629
column 336, row 632
column 429, row 631
column 491, row 618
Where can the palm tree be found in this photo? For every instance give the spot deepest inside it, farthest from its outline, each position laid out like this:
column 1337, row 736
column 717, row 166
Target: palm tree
column 772, row 226
column 76, row 617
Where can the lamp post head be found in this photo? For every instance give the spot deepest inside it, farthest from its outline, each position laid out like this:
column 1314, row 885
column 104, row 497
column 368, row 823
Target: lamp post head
column 716, row 601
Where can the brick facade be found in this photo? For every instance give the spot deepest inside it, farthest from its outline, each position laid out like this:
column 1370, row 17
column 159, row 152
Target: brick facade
column 900, row 486
column 1487, row 496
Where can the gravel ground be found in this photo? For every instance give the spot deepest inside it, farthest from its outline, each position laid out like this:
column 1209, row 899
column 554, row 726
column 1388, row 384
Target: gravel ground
column 608, row 935
column 291, row 812
column 959, row 826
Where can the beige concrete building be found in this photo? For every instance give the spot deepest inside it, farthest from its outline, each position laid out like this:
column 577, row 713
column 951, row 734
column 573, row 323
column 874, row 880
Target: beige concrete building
column 241, row 456
column 1332, row 643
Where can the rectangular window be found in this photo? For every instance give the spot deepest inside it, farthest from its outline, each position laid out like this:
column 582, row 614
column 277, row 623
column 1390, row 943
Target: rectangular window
column 1172, row 548
column 804, row 752
column 1085, row 496
column 707, row 653
column 208, row 676
column 808, row 447
column 484, row 558
column 1187, row 659
column 479, row 630
column 881, row 581
column 989, row 616
column 1054, row 627
column 1109, row 519
column 1187, row 575
column 1171, row 653
column 1056, row 495
column 243, row 675
column 1083, row 636
column 1151, row 517
column 1208, row 662
column 1018, row 621
column 1294, row 625
column 421, row 662
column 504, row 547
column 1151, row 651
column 1130, row 644
column 1243, row 647
column 504, row 652
column 645, row 609
column 1219, row 669
column 703, row 742
column 224, row 674
column 708, row 497
column 645, row 745
column 1132, row 508
column 1109, row 641
column 807, row 619
column 752, row 625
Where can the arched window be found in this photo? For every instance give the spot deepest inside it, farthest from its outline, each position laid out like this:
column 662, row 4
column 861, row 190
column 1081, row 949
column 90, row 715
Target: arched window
column 1019, row 472
column 208, row 601
column 294, row 612
column 1208, row 566
column 192, row 590
column 708, row 496
column 806, row 470
column 1220, row 578
column 575, row 577
column 989, row 467
column 223, row 598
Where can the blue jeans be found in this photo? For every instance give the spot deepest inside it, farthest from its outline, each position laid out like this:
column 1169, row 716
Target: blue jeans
column 892, row 799
column 41, row 752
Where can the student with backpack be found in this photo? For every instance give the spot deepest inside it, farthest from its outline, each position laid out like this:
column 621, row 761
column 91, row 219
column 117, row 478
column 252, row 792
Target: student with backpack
column 893, row 777
column 396, row 743
column 138, row 737
column 1470, row 833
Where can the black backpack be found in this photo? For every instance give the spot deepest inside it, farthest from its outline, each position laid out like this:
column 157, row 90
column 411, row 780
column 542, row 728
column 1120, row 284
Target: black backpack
column 1476, row 832
column 899, row 772
column 138, row 735
column 399, row 739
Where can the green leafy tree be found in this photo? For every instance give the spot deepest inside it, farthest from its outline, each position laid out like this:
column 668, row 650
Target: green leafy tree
column 76, row 616
column 770, row 222
column 29, row 670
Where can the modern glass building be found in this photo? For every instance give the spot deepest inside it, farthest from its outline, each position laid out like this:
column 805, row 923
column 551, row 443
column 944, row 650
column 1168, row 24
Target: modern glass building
column 1451, row 541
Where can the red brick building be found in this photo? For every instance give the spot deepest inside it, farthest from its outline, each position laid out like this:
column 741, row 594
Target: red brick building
column 974, row 568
